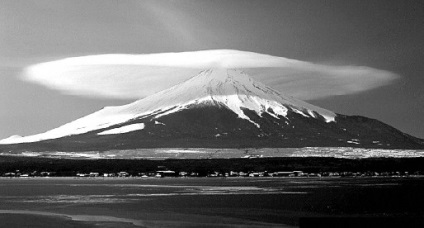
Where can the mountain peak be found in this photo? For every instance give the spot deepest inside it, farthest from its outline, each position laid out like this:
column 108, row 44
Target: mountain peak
column 216, row 108
column 233, row 89
column 229, row 88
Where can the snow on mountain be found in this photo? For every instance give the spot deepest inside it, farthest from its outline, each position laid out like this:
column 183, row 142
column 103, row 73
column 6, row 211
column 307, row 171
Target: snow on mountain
column 124, row 129
column 230, row 88
column 13, row 137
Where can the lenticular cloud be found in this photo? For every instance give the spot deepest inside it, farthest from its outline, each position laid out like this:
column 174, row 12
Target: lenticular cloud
column 136, row 76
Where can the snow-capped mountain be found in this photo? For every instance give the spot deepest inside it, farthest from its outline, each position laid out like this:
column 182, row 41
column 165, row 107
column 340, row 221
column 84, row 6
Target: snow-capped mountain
column 216, row 108
column 227, row 88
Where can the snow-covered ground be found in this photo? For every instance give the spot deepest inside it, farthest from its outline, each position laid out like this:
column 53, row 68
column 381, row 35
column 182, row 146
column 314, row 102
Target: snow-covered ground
column 124, row 129
column 206, row 153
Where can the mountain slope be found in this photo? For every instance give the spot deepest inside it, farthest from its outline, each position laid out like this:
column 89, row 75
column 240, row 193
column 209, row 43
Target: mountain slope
column 216, row 108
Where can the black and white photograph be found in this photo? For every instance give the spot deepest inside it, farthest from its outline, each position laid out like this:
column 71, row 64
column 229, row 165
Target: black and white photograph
column 211, row 113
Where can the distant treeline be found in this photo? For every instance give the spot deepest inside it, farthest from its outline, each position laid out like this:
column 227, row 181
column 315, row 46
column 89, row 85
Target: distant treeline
column 69, row 167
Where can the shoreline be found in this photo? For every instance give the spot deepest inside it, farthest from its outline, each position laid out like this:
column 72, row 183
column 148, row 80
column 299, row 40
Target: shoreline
column 196, row 178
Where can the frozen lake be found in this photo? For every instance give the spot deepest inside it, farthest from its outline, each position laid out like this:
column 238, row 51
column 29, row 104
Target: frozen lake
column 201, row 202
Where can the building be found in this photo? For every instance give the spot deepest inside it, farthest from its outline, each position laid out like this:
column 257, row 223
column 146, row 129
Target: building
column 166, row 173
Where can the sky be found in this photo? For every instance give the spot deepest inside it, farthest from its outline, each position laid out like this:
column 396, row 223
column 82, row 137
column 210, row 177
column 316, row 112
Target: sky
column 384, row 38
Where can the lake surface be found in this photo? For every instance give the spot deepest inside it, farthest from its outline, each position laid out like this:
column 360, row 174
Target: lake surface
column 202, row 202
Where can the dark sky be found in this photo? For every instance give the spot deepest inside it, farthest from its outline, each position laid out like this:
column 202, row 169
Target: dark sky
column 386, row 35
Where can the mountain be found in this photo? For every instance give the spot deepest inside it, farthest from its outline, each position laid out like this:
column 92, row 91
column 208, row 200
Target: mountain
column 217, row 108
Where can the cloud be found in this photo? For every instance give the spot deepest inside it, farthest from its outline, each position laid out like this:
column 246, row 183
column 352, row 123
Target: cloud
column 127, row 76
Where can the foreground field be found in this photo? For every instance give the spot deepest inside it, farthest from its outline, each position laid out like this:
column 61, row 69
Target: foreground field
column 220, row 153
column 203, row 202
